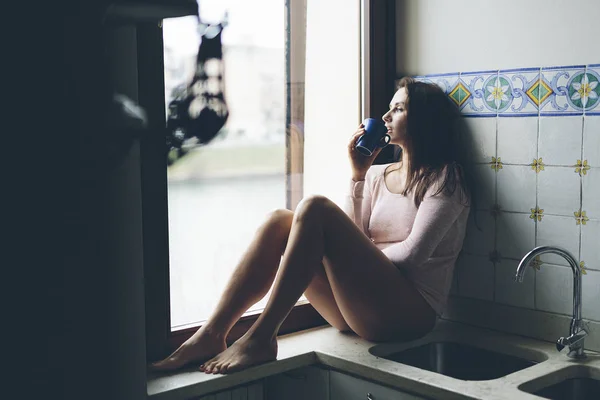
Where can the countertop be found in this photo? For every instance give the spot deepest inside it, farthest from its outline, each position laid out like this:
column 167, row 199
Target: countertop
column 345, row 352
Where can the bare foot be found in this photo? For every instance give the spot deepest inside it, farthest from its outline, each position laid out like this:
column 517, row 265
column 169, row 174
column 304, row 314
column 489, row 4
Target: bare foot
column 244, row 353
column 200, row 347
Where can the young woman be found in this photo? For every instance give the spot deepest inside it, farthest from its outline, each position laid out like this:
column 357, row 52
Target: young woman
column 381, row 268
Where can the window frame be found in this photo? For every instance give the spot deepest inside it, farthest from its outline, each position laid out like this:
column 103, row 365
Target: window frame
column 160, row 340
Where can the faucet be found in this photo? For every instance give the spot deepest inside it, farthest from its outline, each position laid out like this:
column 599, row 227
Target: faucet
column 577, row 332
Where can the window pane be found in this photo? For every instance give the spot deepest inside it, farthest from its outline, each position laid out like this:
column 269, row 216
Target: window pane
column 221, row 192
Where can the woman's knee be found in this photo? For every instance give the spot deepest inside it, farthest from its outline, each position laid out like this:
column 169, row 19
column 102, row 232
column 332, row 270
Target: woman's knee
column 312, row 205
column 280, row 220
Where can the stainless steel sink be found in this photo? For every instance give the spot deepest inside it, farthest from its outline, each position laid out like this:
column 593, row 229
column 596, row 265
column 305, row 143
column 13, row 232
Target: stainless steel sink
column 572, row 389
column 460, row 361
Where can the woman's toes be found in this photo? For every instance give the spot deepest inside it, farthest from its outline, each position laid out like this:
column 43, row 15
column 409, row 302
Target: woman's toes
column 225, row 368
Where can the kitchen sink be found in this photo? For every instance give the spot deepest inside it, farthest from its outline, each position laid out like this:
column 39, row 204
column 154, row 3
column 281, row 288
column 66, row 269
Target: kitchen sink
column 460, row 361
column 572, row 389
column 572, row 383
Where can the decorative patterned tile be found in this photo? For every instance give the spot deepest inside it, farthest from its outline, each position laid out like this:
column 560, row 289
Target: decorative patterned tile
column 554, row 289
column 523, row 92
column 484, row 186
column 475, row 277
column 559, row 190
column 590, row 193
column 480, row 242
column 559, row 231
column 516, row 188
column 515, row 235
column 447, row 82
column 593, row 103
column 481, row 138
column 590, row 291
column 481, row 96
column 517, row 139
column 560, row 140
column 591, row 140
column 590, row 249
column 563, row 82
column 508, row 291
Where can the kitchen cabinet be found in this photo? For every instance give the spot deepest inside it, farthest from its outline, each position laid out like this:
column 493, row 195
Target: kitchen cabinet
column 312, row 383
column 252, row 391
column 302, row 383
column 347, row 387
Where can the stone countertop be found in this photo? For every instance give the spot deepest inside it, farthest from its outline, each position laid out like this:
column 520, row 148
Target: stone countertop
column 327, row 347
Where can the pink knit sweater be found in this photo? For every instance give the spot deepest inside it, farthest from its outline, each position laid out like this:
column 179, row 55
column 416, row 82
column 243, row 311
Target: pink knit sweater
column 422, row 242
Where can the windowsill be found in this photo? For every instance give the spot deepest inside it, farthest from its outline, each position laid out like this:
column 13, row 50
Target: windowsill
column 349, row 353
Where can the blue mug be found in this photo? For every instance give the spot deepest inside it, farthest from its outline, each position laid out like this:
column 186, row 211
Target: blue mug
column 375, row 136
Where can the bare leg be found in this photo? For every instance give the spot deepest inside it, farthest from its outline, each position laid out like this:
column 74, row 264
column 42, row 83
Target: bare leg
column 248, row 284
column 374, row 297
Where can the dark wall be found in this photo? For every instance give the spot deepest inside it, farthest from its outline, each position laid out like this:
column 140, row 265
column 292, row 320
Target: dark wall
column 78, row 330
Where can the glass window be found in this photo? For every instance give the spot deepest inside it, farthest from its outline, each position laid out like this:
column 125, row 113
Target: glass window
column 219, row 193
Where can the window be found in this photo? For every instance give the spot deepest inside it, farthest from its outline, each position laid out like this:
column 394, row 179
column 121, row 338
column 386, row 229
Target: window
column 293, row 87
column 219, row 194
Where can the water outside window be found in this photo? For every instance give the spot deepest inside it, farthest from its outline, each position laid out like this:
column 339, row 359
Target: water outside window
column 218, row 194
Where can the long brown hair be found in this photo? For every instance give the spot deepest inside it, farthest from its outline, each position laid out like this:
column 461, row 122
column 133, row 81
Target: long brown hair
column 432, row 142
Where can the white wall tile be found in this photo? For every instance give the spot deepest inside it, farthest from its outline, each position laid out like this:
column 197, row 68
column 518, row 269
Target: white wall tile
column 561, row 232
column 516, row 188
column 590, row 197
column 482, row 133
column 480, row 242
column 591, row 140
column 484, row 186
column 559, row 190
column 508, row 291
column 475, row 277
column 560, row 140
column 517, row 139
column 554, row 289
column 515, row 235
column 590, row 244
column 590, row 291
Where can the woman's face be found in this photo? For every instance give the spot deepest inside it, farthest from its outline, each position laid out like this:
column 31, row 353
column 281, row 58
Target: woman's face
column 395, row 119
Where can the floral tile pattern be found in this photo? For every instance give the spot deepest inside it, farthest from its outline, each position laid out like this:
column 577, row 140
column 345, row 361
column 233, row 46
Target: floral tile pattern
column 537, row 213
column 482, row 93
column 496, row 164
column 447, row 82
column 537, row 165
column 582, row 168
column 562, row 90
column 593, row 76
column 536, row 263
column 566, row 97
column 525, row 90
column 580, row 217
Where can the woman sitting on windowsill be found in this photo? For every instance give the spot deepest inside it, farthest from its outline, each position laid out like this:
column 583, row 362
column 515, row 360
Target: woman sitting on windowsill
column 381, row 268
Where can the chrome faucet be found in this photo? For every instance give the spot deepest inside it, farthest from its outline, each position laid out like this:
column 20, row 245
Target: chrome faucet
column 577, row 330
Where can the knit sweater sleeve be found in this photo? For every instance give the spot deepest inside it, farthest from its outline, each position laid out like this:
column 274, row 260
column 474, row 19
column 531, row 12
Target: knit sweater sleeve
column 357, row 204
column 434, row 218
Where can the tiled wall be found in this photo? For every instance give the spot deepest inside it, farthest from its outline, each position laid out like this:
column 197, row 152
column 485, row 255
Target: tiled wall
column 536, row 134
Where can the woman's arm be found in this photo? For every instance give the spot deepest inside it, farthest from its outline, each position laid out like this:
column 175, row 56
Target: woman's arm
column 435, row 216
column 358, row 204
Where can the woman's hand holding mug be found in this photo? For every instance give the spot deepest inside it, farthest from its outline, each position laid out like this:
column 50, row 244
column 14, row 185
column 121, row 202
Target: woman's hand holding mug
column 360, row 161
